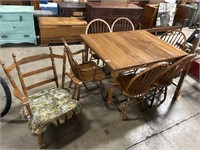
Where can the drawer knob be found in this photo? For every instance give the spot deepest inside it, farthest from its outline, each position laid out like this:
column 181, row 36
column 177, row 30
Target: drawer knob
column 26, row 35
column 4, row 36
column 20, row 18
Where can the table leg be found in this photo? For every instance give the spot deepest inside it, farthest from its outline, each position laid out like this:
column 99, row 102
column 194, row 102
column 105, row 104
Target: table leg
column 114, row 75
column 180, row 82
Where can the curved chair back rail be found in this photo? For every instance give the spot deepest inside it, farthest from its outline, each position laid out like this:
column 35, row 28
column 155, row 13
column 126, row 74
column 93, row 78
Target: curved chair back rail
column 176, row 38
column 97, row 26
column 122, row 24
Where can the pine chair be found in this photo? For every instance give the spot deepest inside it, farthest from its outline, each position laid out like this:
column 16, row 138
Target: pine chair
column 166, row 77
column 52, row 105
column 176, row 38
column 83, row 73
column 97, row 26
column 137, row 85
column 122, row 24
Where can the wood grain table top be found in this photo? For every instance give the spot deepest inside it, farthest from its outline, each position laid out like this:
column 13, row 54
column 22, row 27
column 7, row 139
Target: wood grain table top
column 128, row 49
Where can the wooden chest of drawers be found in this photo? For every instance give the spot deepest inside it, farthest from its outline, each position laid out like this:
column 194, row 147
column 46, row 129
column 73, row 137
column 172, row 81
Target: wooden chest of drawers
column 71, row 9
column 17, row 25
column 112, row 11
column 53, row 29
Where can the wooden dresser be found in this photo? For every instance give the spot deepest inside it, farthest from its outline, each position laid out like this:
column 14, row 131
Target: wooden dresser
column 71, row 9
column 52, row 29
column 16, row 24
column 112, row 11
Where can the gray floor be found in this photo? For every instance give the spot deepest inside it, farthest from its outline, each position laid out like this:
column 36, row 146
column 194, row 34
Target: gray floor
column 169, row 126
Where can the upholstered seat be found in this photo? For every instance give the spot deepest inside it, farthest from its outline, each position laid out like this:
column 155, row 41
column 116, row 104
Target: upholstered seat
column 51, row 106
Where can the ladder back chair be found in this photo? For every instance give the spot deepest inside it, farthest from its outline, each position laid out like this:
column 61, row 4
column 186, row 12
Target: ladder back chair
column 122, row 24
column 46, row 106
column 137, row 85
column 83, row 73
column 97, row 26
column 176, row 38
column 166, row 77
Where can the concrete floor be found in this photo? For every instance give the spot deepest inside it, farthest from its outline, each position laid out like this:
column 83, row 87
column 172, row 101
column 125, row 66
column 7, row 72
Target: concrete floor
column 170, row 126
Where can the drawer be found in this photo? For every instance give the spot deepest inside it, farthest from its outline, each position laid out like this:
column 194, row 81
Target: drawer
column 16, row 36
column 15, row 27
column 15, row 17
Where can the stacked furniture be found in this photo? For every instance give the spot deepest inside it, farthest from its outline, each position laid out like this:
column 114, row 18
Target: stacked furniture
column 16, row 24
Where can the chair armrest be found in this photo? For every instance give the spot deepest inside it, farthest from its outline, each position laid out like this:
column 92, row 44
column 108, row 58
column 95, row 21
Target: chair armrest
column 79, row 51
column 73, row 78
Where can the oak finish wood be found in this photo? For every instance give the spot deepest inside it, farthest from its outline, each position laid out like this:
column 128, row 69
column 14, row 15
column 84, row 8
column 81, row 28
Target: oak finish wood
column 129, row 49
column 53, row 29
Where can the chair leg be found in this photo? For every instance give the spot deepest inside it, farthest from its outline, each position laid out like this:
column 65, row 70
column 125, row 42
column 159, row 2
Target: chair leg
column 153, row 97
column 124, row 117
column 78, row 119
column 70, row 84
column 142, row 104
column 79, row 91
column 101, row 89
column 40, row 140
column 165, row 95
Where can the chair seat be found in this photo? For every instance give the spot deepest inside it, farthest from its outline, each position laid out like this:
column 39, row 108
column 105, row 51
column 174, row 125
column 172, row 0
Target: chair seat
column 51, row 106
column 93, row 74
column 123, row 81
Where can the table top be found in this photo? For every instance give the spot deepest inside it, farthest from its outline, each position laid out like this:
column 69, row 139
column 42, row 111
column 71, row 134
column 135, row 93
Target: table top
column 128, row 49
column 113, row 5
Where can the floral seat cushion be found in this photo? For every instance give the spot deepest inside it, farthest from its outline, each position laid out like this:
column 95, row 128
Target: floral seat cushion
column 51, row 106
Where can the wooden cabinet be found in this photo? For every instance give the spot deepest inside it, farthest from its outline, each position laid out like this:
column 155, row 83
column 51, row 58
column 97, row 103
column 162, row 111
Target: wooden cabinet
column 71, row 9
column 16, row 24
column 148, row 17
column 52, row 29
column 112, row 11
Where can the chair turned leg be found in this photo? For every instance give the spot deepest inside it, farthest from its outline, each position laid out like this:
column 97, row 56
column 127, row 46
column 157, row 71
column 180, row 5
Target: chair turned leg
column 70, row 84
column 124, row 117
column 153, row 97
column 142, row 104
column 165, row 95
column 101, row 89
column 40, row 140
column 78, row 119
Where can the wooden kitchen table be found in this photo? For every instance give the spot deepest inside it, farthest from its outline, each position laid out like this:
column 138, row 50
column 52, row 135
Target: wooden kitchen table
column 127, row 50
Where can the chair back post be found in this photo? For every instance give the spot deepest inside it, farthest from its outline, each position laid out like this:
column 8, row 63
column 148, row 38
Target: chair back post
column 122, row 24
column 63, row 69
column 24, row 99
column 97, row 26
column 20, row 75
column 53, row 65
column 72, row 62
